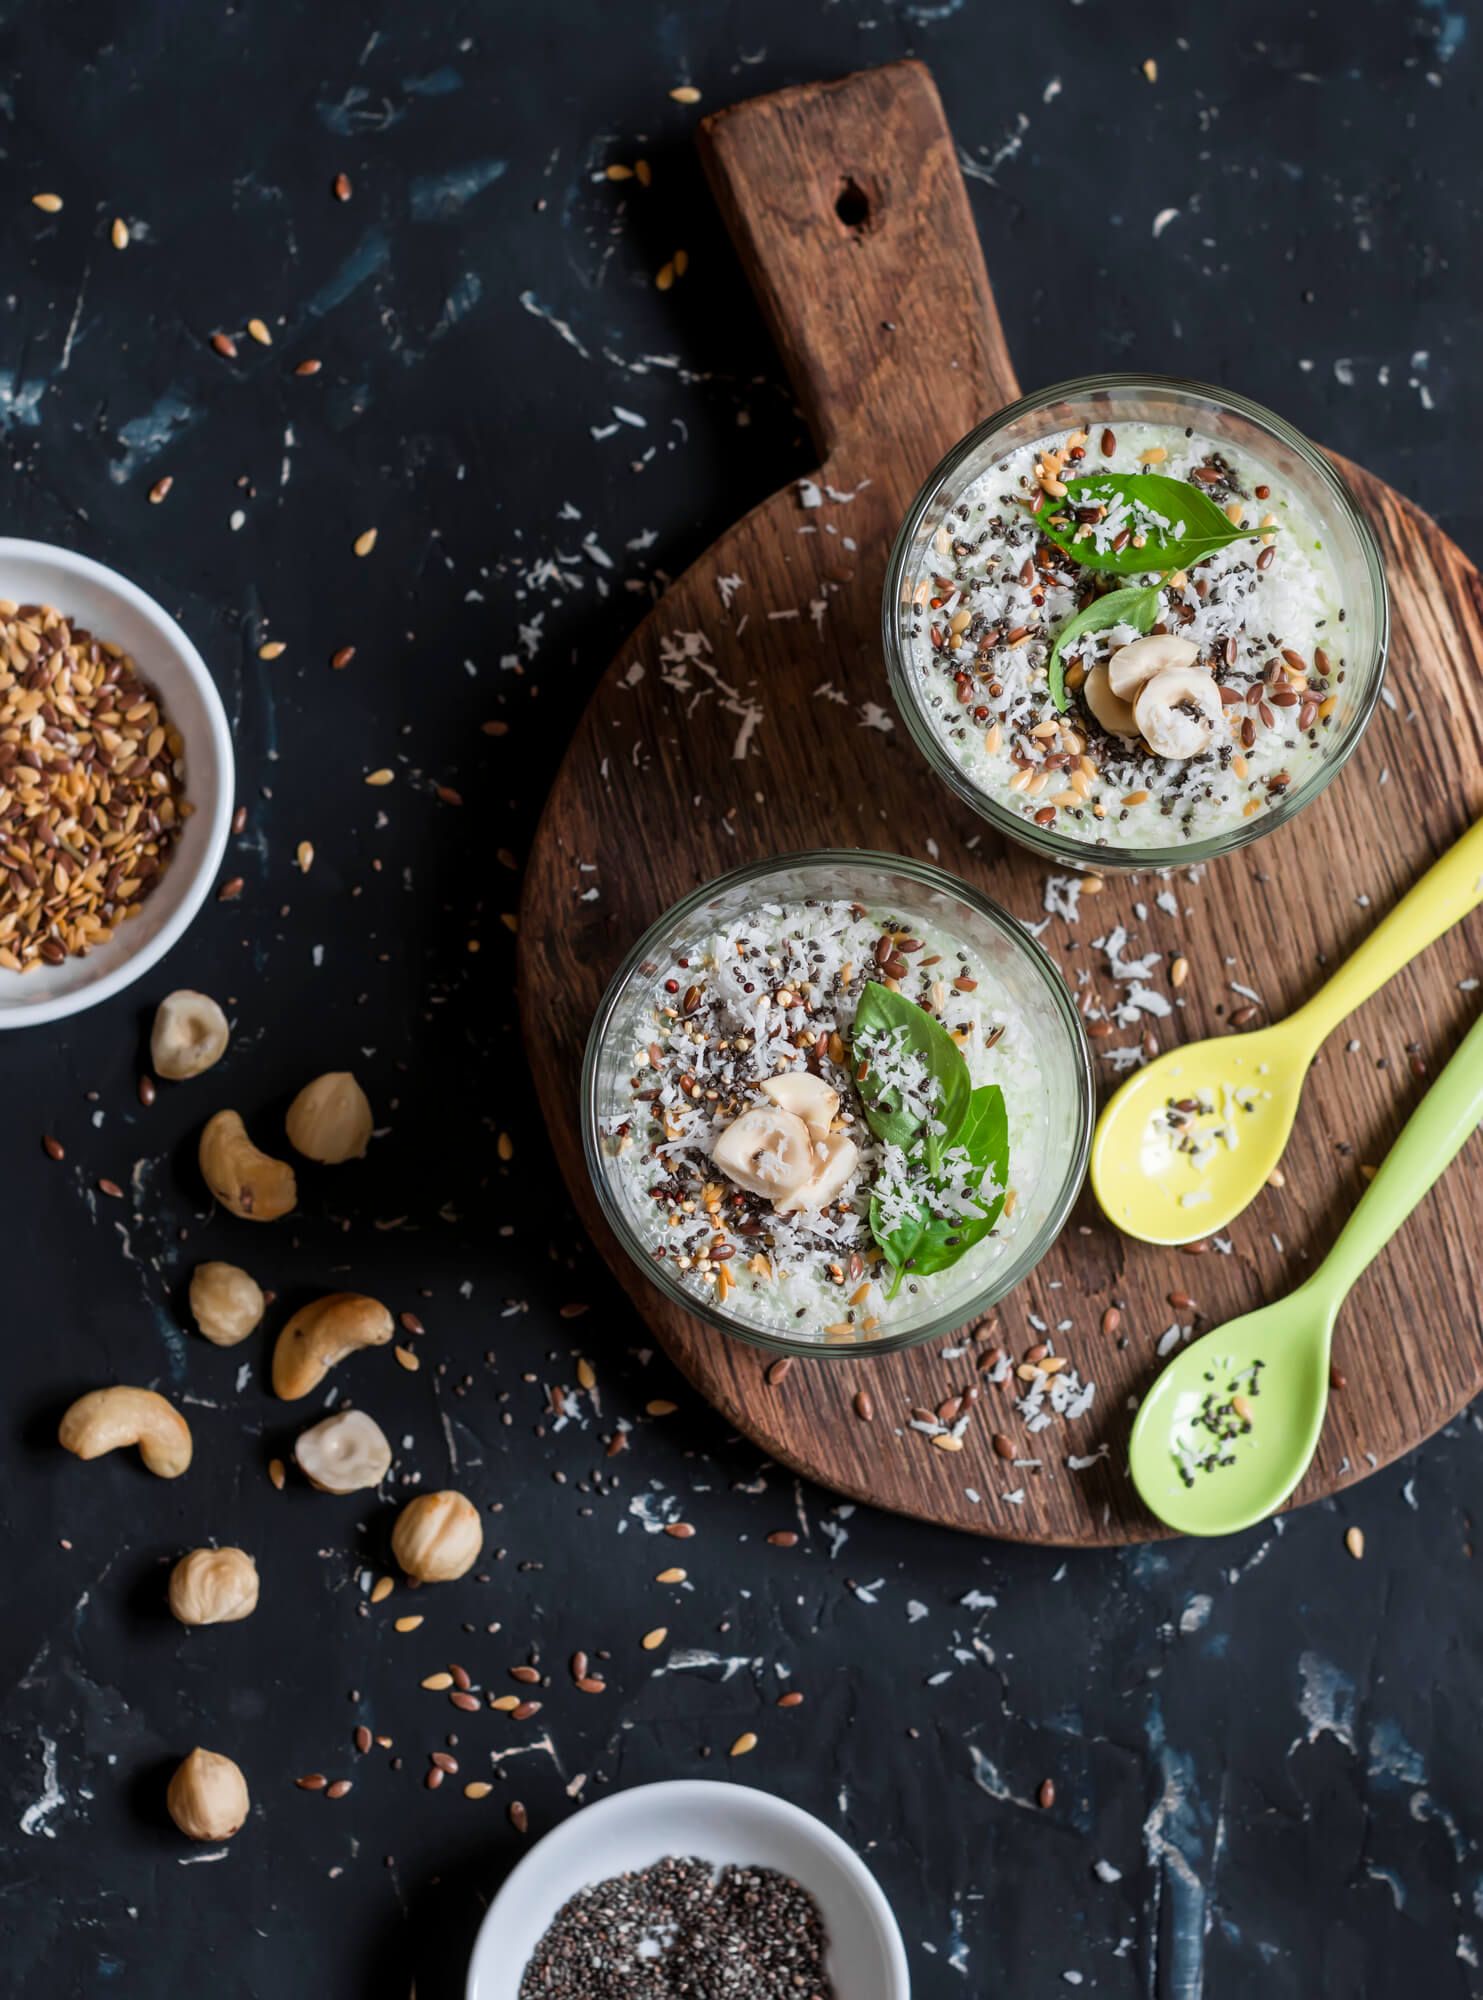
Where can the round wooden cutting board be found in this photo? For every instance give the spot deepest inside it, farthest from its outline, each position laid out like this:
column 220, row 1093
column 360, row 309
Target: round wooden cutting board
column 744, row 718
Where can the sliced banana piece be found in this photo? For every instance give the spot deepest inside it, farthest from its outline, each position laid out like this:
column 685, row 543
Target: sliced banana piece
column 834, row 1161
column 807, row 1097
column 1114, row 714
column 1134, row 664
column 1178, row 712
column 767, row 1152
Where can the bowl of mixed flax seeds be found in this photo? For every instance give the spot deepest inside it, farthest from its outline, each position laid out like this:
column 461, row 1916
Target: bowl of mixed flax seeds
column 116, row 782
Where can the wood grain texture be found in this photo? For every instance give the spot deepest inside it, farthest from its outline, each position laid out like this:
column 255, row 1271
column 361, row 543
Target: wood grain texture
column 654, row 793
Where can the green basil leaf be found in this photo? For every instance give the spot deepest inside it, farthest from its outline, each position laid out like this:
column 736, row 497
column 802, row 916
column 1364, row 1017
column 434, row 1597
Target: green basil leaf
column 925, row 1243
column 1135, row 604
column 1194, row 525
column 884, row 1015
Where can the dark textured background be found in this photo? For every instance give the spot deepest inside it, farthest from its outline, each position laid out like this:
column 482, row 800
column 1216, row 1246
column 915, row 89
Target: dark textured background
column 1277, row 1747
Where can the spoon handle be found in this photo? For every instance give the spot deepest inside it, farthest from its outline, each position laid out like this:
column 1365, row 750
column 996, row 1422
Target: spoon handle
column 1444, row 895
column 1430, row 1140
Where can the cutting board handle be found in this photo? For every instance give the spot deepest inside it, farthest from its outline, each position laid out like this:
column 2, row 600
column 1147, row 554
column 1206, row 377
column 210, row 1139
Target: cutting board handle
column 849, row 213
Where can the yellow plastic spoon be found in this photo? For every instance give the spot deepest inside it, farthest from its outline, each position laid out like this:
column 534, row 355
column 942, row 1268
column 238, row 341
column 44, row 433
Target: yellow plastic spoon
column 1189, row 1141
column 1229, row 1428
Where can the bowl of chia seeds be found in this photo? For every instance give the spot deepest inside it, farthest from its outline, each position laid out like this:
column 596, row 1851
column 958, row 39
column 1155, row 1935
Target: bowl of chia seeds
column 690, row 1887
column 837, row 1103
column 1135, row 622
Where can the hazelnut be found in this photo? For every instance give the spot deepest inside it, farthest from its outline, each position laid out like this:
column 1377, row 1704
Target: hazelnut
column 190, row 1034
column 225, row 1302
column 330, row 1119
column 437, row 1537
column 207, row 1797
column 345, row 1453
column 245, row 1181
column 213, row 1587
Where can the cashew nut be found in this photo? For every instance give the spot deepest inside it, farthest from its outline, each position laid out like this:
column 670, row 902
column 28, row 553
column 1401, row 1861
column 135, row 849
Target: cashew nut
column 190, row 1034
column 105, row 1419
column 766, row 1151
column 226, row 1303
column 1114, row 714
column 245, row 1181
column 807, row 1097
column 207, row 1797
column 213, row 1587
column 835, row 1159
column 437, row 1537
column 1179, row 712
column 1131, row 665
column 344, row 1454
column 323, row 1333
column 330, row 1119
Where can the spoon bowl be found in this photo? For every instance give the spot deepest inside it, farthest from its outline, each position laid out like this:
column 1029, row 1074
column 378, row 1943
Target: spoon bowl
column 1188, row 1142
column 1231, row 1425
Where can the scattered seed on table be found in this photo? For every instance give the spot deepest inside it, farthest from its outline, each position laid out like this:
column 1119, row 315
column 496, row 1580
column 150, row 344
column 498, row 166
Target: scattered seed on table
column 864, row 1406
column 380, row 777
column 309, row 367
column 529, row 1675
column 409, row 1623
column 362, row 1738
column 477, row 1789
column 272, row 649
column 747, row 1741
column 230, row 890
column 382, row 1589
column 524, row 1710
column 54, row 1148
column 681, row 1530
column 1354, row 1541
column 652, row 1641
column 365, row 542
column 446, row 1764
column 312, row 1781
column 341, row 188
column 408, row 1359
column 660, row 1408
column 433, row 1778
column 782, row 1538
column 259, row 331
column 160, row 489
column 49, row 204
column 304, row 855
column 119, row 233
column 777, row 1371
column 671, row 1576
column 225, row 346
column 437, row 1682
column 683, row 93
column 945, row 1441
column 586, row 1374
column 518, row 1816
column 1046, row 1796
column 277, row 1473
column 338, row 1789
column 790, row 1700
column 462, row 1699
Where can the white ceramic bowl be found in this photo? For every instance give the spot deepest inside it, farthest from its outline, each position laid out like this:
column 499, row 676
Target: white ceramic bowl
column 714, row 1822
column 106, row 603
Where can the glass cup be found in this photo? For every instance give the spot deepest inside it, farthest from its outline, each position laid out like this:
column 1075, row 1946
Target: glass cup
column 916, row 894
column 1297, row 468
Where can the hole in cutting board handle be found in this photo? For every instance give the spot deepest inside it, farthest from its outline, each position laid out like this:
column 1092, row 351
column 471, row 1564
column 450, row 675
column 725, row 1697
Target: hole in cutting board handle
column 853, row 206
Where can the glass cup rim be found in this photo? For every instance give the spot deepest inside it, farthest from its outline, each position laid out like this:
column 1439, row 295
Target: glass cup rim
column 1005, row 1276
column 1044, row 841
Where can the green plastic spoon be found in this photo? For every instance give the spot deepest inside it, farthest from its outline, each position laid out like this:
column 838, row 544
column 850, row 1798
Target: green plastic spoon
column 1228, row 1429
